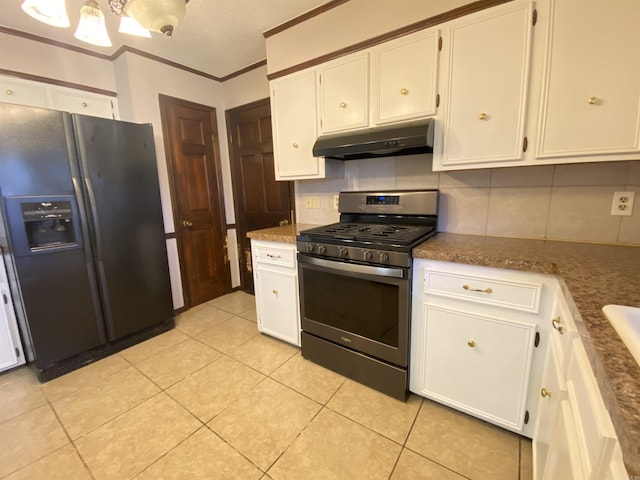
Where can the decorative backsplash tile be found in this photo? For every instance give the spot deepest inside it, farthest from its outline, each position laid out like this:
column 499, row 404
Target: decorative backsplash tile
column 558, row 202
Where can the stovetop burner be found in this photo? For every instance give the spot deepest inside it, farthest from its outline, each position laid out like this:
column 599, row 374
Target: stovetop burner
column 371, row 233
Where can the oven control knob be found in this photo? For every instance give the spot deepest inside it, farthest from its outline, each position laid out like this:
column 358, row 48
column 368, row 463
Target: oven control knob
column 322, row 249
column 343, row 252
column 367, row 255
column 310, row 247
column 384, row 257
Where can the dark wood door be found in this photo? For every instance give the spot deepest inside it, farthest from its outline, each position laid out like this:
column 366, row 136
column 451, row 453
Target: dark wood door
column 191, row 139
column 260, row 201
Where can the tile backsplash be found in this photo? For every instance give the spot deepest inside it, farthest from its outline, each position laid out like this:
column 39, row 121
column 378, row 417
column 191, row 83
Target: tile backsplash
column 557, row 202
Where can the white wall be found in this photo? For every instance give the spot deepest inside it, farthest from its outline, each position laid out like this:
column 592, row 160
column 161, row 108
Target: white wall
column 26, row 56
column 348, row 24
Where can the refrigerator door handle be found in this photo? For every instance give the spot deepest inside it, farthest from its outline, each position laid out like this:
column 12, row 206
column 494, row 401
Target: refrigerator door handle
column 94, row 218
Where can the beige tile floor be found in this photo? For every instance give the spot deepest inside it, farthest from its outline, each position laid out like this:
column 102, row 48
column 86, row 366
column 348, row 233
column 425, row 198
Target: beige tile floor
column 215, row 399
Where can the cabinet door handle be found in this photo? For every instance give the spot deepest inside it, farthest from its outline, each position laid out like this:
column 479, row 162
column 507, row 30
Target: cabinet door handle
column 187, row 223
column 275, row 292
column 481, row 290
column 593, row 100
column 9, row 92
column 343, row 105
column 556, row 324
column 544, row 393
column 295, row 145
column 84, row 105
column 471, row 343
column 404, row 91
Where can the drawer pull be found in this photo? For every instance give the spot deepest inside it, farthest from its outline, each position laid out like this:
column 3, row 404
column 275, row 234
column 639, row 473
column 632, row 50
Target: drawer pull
column 593, row 100
column 556, row 324
column 486, row 290
column 84, row 105
column 471, row 343
column 482, row 116
column 404, row 91
column 545, row 393
column 273, row 256
column 9, row 92
column 275, row 292
column 343, row 105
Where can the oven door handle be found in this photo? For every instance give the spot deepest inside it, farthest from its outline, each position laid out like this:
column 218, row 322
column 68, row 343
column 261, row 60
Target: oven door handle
column 353, row 267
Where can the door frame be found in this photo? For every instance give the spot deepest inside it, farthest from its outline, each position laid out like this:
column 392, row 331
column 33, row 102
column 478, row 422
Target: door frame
column 240, row 224
column 164, row 101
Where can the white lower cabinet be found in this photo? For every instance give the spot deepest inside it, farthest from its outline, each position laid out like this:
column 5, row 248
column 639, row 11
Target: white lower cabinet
column 488, row 363
column 11, row 353
column 574, row 437
column 474, row 337
column 275, row 279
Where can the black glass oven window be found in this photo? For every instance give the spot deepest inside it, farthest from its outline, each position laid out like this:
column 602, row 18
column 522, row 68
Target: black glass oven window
column 363, row 307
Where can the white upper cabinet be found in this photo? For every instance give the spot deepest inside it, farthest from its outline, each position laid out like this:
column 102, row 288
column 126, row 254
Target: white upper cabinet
column 293, row 111
column 22, row 93
column 344, row 93
column 486, row 61
column 36, row 94
column 405, row 77
column 590, row 103
column 83, row 103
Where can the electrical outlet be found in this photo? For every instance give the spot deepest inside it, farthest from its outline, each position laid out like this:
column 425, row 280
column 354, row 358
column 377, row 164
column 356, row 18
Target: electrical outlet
column 336, row 201
column 313, row 202
column 623, row 203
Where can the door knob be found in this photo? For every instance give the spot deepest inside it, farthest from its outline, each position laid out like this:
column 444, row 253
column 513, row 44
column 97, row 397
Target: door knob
column 187, row 223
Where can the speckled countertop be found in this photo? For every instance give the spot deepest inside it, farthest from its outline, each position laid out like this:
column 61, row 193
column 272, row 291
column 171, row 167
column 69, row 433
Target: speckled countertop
column 286, row 233
column 591, row 276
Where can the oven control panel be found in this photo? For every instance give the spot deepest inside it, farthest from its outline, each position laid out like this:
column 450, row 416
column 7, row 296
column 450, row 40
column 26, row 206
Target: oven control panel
column 357, row 254
column 383, row 200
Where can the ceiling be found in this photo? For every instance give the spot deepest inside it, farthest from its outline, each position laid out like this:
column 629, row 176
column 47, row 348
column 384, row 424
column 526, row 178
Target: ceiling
column 217, row 37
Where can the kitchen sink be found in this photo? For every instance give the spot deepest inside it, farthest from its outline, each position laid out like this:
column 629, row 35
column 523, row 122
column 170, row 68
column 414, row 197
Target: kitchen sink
column 626, row 321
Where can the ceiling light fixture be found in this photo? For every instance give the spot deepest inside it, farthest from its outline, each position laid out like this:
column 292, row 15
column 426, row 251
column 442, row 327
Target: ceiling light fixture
column 51, row 12
column 92, row 28
column 138, row 17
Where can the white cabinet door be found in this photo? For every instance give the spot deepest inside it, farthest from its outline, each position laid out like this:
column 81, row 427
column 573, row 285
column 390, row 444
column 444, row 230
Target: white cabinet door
column 22, row 92
column 563, row 457
column 83, row 103
column 11, row 353
column 486, row 80
column 344, row 93
column 552, row 392
column 293, row 120
column 405, row 73
column 591, row 92
column 277, row 300
column 477, row 364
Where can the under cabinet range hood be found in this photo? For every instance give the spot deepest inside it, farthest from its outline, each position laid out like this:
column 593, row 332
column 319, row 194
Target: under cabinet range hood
column 395, row 140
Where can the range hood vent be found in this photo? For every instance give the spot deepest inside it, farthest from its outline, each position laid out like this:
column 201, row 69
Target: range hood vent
column 405, row 139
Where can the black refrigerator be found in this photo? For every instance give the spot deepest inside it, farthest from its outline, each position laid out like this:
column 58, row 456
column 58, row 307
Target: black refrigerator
column 82, row 225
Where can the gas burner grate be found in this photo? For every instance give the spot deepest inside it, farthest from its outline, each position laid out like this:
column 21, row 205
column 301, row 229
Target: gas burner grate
column 374, row 233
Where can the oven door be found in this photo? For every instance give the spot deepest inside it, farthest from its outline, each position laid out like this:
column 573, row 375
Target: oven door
column 361, row 307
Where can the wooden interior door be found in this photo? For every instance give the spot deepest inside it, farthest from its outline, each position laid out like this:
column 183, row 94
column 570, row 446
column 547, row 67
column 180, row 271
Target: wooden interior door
column 260, row 201
column 192, row 150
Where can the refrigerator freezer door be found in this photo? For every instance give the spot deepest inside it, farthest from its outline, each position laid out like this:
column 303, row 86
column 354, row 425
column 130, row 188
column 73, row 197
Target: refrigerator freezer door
column 118, row 166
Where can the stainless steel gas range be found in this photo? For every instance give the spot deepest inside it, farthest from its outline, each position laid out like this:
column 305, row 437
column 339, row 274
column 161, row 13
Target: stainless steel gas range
column 355, row 285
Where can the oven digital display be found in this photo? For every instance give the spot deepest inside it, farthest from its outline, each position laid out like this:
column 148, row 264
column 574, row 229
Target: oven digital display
column 383, row 200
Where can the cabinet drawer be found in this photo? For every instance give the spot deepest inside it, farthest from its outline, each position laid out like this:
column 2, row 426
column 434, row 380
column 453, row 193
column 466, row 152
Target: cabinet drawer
column 563, row 332
column 274, row 255
column 516, row 295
